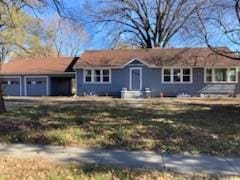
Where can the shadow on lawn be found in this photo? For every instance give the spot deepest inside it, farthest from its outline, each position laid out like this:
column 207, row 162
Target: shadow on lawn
column 196, row 128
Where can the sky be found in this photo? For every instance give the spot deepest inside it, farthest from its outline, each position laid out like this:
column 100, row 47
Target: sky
column 96, row 41
column 100, row 40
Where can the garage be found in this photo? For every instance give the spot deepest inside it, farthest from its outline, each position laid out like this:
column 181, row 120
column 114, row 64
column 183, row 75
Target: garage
column 39, row 76
column 61, row 86
column 36, row 86
column 11, row 86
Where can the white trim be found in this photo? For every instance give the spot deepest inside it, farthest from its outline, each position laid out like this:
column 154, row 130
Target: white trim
column 130, row 76
column 172, row 75
column 20, row 82
column 76, row 79
column 136, row 59
column 97, row 67
column 220, row 82
column 150, row 66
column 25, row 83
column 101, row 76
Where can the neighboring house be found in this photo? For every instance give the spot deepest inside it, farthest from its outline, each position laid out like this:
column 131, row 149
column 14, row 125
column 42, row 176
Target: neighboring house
column 156, row 72
column 38, row 77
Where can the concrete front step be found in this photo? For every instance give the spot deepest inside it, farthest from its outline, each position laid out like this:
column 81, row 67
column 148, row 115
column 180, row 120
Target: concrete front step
column 133, row 94
column 125, row 94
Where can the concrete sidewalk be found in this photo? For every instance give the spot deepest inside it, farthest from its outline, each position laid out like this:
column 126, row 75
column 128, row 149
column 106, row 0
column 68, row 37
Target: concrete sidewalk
column 130, row 159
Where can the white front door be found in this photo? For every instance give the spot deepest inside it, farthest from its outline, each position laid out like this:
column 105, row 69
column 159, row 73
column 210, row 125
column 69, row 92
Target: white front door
column 135, row 78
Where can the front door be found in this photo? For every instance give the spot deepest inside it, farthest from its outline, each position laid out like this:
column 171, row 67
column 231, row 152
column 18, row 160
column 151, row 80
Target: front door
column 136, row 78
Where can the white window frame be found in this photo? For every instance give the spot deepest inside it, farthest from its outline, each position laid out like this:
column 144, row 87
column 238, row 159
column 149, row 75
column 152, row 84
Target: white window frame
column 130, row 76
column 181, row 77
column 101, row 76
column 25, row 83
column 220, row 82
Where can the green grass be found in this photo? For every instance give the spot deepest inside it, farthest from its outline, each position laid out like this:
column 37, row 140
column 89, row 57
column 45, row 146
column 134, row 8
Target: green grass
column 159, row 125
column 41, row 169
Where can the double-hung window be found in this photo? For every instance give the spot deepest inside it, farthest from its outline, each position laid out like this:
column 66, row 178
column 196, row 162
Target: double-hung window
column 97, row 75
column 177, row 75
column 105, row 75
column 167, row 75
column 88, row 75
column 209, row 75
column 221, row 75
column 232, row 75
column 186, row 75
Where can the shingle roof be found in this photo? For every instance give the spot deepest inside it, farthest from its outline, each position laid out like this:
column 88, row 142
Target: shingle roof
column 48, row 65
column 196, row 57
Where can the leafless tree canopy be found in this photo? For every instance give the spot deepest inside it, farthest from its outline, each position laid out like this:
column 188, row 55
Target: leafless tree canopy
column 68, row 36
column 144, row 23
column 5, row 19
column 221, row 23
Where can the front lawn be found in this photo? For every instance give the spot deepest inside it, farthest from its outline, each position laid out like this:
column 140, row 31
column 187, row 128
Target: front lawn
column 41, row 169
column 163, row 125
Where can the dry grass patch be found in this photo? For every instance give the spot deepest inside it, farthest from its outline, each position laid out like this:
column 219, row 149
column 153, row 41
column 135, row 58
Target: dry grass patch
column 41, row 169
column 168, row 125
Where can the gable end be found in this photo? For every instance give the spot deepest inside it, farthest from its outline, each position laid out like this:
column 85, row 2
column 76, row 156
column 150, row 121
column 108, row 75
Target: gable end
column 137, row 61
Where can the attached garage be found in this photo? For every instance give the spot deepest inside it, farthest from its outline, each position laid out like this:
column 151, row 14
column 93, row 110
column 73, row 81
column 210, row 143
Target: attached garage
column 11, row 86
column 40, row 76
column 61, row 86
column 36, row 86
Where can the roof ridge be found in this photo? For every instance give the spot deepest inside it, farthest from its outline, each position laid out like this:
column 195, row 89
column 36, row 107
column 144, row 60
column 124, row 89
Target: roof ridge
column 147, row 49
column 38, row 58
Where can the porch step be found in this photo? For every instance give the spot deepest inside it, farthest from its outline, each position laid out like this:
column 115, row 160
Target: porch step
column 125, row 94
column 133, row 94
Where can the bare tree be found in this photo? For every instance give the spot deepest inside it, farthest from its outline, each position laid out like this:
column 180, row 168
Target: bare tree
column 68, row 36
column 143, row 23
column 221, row 26
column 6, row 20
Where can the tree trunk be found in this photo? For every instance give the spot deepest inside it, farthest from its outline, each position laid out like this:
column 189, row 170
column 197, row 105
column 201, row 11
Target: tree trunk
column 2, row 104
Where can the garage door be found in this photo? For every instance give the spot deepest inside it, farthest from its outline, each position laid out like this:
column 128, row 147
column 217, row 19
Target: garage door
column 36, row 86
column 11, row 86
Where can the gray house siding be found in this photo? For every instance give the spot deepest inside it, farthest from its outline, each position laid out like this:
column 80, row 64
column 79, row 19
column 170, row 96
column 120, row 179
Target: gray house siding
column 119, row 80
column 151, row 78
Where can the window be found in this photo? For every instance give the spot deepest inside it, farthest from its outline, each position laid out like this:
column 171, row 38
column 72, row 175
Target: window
column 177, row 75
column 40, row 82
column 15, row 82
column 10, row 82
column 167, row 75
column 32, row 82
column 106, row 76
column 232, row 75
column 186, row 75
column 4, row 82
column 219, row 75
column 97, row 76
column 88, row 75
column 209, row 77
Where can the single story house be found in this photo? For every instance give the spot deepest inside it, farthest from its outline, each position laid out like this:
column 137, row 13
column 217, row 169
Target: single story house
column 38, row 76
column 127, row 73
column 156, row 72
